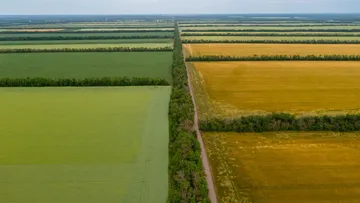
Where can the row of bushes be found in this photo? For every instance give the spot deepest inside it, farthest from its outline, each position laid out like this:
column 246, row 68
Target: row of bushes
column 63, row 82
column 283, row 122
column 320, row 41
column 41, row 38
column 90, row 31
column 275, row 34
column 187, row 182
column 263, row 25
column 108, row 49
column 271, row 30
column 276, row 58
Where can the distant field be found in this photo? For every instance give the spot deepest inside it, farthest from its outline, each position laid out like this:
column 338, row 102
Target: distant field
column 227, row 89
column 85, row 46
column 285, row 167
column 261, row 25
column 121, row 29
column 271, row 49
column 95, row 24
column 218, row 38
column 84, row 145
column 106, row 41
column 83, row 65
column 30, row 30
column 274, row 28
column 87, row 34
column 269, row 33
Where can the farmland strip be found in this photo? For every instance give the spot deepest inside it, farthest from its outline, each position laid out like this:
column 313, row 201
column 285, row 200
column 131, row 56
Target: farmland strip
column 187, row 178
column 29, row 38
column 87, row 82
column 276, row 58
column 271, row 41
column 109, row 49
column 270, row 30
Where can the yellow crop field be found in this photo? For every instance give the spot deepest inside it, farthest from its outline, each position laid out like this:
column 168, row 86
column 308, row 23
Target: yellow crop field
column 297, row 167
column 271, row 49
column 225, row 89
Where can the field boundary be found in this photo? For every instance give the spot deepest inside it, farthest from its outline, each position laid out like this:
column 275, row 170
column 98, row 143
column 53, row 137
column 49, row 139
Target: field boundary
column 275, row 34
column 282, row 122
column 110, row 49
column 87, row 82
column 53, row 38
column 187, row 180
column 270, row 30
column 204, row 156
column 209, row 58
column 320, row 41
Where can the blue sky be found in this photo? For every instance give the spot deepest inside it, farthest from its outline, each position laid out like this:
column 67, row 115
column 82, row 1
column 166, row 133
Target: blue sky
column 176, row 6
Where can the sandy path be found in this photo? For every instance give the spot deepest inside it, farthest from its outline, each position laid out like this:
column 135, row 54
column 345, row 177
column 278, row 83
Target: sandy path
column 204, row 157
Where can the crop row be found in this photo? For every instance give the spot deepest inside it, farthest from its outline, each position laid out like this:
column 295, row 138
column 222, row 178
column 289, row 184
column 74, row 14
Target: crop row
column 320, row 41
column 105, row 81
column 275, row 34
column 270, row 30
column 108, row 49
column 187, row 179
column 29, row 38
column 282, row 122
column 276, row 58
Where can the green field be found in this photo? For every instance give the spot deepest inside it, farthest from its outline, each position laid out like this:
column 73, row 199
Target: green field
column 107, row 41
column 83, row 65
column 84, row 145
column 79, row 34
column 218, row 38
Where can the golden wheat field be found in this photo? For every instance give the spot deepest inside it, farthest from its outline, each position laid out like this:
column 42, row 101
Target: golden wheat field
column 271, row 49
column 299, row 87
column 297, row 167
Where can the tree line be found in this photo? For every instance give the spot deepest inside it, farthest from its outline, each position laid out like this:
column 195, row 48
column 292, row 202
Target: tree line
column 276, row 58
column 64, row 82
column 271, row 30
column 282, row 122
column 186, row 176
column 275, row 34
column 108, row 49
column 43, row 38
column 265, row 25
column 86, row 32
column 313, row 41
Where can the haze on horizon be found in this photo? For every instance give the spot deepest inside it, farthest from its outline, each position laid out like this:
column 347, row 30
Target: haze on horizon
column 38, row 7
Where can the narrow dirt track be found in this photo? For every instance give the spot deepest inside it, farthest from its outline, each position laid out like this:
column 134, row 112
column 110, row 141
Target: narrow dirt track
column 204, row 157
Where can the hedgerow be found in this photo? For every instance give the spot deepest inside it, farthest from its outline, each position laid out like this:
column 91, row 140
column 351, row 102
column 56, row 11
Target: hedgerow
column 282, row 122
column 275, row 34
column 92, row 31
column 63, row 82
column 276, row 58
column 108, row 49
column 318, row 41
column 48, row 38
column 187, row 182
column 270, row 30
